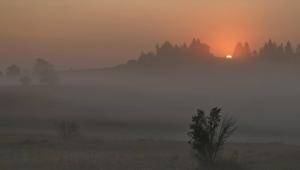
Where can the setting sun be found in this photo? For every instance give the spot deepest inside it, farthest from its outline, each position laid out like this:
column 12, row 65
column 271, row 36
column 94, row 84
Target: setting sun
column 229, row 56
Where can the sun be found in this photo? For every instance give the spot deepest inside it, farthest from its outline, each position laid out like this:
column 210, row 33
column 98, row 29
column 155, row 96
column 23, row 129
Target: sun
column 229, row 57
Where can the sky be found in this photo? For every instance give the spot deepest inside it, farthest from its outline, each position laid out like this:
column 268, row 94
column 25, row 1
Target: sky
column 102, row 33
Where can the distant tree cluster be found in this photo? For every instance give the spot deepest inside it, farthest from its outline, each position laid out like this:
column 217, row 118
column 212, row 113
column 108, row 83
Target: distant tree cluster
column 242, row 50
column 197, row 52
column 169, row 54
column 43, row 71
column 270, row 50
column 13, row 71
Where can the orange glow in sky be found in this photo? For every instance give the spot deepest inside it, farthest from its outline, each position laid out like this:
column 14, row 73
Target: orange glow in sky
column 104, row 33
column 224, row 39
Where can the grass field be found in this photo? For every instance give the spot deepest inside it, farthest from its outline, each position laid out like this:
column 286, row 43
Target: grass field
column 45, row 152
column 147, row 132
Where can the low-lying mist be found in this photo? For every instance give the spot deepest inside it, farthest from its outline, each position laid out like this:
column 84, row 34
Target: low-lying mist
column 156, row 95
column 264, row 100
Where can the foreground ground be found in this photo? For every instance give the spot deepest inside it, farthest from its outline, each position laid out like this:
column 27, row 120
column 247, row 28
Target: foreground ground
column 116, row 125
column 42, row 153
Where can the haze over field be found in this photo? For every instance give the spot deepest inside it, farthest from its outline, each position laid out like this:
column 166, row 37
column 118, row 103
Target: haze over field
column 89, row 84
column 260, row 88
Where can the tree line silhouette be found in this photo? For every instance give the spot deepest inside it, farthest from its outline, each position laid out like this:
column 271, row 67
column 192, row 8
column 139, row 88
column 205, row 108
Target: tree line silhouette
column 197, row 52
column 173, row 55
column 270, row 50
column 42, row 70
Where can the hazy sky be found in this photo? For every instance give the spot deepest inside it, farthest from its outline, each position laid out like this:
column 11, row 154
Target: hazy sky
column 97, row 33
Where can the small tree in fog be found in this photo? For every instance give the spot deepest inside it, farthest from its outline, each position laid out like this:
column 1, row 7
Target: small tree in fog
column 209, row 133
column 45, row 72
column 67, row 129
column 13, row 71
column 25, row 80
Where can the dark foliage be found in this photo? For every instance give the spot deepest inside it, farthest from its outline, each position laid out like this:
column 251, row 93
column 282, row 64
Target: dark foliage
column 13, row 71
column 174, row 55
column 209, row 133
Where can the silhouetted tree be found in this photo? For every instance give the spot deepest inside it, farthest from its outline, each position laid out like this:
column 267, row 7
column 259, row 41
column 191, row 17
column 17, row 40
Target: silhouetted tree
column 273, row 51
column 247, row 48
column 13, row 71
column 199, row 49
column 67, row 129
column 209, row 133
column 254, row 54
column 289, row 49
column 45, row 72
column 241, row 50
column 280, row 50
column 298, row 50
column 25, row 80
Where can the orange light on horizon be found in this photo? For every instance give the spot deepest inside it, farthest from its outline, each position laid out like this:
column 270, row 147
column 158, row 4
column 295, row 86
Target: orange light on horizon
column 229, row 57
column 224, row 39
